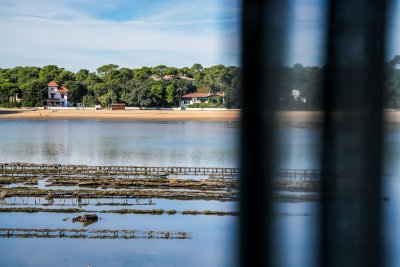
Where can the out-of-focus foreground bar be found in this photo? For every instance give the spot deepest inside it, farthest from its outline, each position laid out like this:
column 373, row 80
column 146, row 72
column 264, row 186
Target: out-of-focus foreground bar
column 351, row 217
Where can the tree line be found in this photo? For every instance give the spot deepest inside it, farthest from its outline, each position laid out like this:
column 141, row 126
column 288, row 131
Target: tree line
column 309, row 84
column 159, row 86
column 162, row 86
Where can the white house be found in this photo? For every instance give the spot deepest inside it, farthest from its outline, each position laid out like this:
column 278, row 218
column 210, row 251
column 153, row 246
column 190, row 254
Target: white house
column 57, row 95
column 296, row 96
column 192, row 98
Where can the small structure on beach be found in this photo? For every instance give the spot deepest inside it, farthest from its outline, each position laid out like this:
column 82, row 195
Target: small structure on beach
column 118, row 106
column 57, row 95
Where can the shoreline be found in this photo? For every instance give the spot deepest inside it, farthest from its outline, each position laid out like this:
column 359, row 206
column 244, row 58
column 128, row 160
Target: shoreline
column 294, row 118
column 128, row 115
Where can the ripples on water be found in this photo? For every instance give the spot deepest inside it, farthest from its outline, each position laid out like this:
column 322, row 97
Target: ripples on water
column 206, row 144
column 297, row 240
column 167, row 144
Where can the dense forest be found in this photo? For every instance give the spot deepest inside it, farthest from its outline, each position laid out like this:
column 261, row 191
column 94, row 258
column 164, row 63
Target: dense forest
column 308, row 82
column 163, row 86
column 159, row 86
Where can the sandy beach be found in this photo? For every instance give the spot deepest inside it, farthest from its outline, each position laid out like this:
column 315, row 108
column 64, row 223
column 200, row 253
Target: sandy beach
column 148, row 115
column 296, row 118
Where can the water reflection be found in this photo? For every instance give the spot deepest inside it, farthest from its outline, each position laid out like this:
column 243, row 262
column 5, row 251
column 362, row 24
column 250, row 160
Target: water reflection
column 120, row 143
column 208, row 144
column 297, row 240
column 179, row 144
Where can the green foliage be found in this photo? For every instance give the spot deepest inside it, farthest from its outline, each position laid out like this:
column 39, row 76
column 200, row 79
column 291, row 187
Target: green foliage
column 308, row 81
column 76, row 91
column 197, row 68
column 82, row 75
column 125, row 75
column 34, row 93
column 158, row 92
column 98, row 89
column 146, row 86
column 49, row 73
column 170, row 91
column 142, row 74
column 107, row 99
column 206, row 105
column 89, row 100
column 392, row 96
column 218, row 78
column 8, row 90
column 65, row 76
column 22, row 75
column 11, row 105
column 5, row 76
column 92, row 79
column 106, row 69
column 159, row 70
column 137, row 93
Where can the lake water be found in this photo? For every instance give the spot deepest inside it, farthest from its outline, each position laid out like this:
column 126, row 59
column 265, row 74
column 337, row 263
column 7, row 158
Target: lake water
column 297, row 234
column 205, row 144
column 192, row 144
column 201, row 144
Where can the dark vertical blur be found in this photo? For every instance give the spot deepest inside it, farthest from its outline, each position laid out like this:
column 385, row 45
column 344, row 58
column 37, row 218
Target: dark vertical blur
column 263, row 50
column 353, row 129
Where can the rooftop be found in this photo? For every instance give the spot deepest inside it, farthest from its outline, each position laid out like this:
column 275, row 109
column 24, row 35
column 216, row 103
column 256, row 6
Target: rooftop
column 52, row 83
column 192, row 95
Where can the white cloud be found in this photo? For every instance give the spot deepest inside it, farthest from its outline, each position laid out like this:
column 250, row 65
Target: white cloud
column 43, row 32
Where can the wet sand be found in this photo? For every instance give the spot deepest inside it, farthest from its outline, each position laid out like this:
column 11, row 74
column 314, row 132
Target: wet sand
column 148, row 115
column 294, row 118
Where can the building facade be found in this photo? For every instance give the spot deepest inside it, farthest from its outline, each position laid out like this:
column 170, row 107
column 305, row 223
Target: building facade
column 57, row 95
column 201, row 98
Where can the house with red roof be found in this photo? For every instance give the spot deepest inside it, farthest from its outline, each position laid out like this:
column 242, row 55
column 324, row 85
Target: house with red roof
column 209, row 97
column 57, row 95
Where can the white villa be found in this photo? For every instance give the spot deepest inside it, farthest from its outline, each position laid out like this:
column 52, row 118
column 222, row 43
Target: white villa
column 201, row 98
column 57, row 95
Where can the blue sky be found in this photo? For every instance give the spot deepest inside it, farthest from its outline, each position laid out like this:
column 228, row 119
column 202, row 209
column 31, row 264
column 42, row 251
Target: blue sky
column 308, row 19
column 87, row 34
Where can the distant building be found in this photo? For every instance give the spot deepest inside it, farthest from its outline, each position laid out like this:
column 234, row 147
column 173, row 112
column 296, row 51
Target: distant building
column 192, row 98
column 296, row 94
column 57, row 95
column 119, row 106
column 169, row 77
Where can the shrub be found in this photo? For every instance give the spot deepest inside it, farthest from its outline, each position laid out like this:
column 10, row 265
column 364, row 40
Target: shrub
column 206, row 105
column 11, row 105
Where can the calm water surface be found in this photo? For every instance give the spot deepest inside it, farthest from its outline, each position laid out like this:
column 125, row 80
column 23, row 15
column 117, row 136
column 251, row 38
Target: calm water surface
column 167, row 144
column 208, row 144
column 296, row 242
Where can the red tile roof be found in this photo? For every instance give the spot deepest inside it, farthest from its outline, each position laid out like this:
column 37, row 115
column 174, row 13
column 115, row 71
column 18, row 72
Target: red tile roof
column 52, row 83
column 196, row 95
column 62, row 89
column 192, row 95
